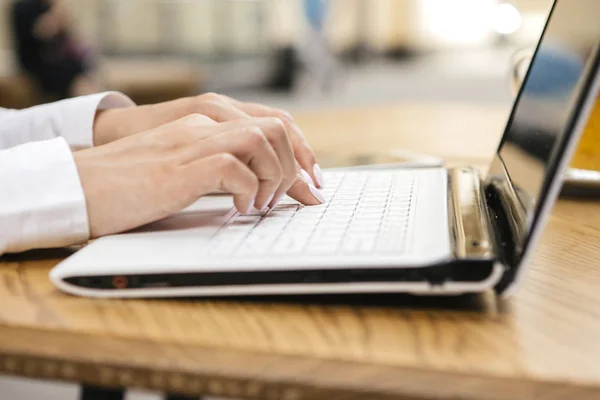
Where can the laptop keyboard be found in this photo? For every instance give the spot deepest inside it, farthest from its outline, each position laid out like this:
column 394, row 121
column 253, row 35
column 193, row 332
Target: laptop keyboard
column 366, row 213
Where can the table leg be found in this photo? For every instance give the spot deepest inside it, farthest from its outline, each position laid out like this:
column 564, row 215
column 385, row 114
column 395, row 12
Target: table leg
column 98, row 393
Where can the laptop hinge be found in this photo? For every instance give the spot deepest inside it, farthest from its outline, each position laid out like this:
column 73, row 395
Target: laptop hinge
column 470, row 226
column 508, row 221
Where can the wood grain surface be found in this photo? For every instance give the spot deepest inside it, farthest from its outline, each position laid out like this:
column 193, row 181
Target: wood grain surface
column 541, row 344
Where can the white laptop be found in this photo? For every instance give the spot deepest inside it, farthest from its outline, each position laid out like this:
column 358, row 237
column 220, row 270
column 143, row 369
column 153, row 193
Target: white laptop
column 421, row 230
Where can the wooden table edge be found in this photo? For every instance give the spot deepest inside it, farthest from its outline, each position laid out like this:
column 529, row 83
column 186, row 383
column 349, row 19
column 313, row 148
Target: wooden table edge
column 273, row 377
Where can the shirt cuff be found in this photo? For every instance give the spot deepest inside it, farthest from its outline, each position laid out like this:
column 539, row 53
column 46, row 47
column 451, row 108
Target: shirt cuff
column 42, row 203
column 76, row 116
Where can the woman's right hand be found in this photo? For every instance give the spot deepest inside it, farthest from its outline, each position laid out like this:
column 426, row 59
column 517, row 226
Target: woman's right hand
column 151, row 175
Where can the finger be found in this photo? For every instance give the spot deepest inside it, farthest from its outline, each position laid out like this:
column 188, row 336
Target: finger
column 183, row 131
column 196, row 127
column 276, row 133
column 197, row 120
column 151, row 116
column 212, row 105
column 305, row 192
column 192, row 129
column 223, row 108
column 303, row 151
column 257, row 109
column 225, row 172
column 250, row 145
column 307, row 159
column 218, row 107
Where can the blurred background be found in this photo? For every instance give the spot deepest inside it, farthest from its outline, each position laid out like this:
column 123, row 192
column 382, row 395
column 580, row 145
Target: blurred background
column 295, row 54
column 292, row 53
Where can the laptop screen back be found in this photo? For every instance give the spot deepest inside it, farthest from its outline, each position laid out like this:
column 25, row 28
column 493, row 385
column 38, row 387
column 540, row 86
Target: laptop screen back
column 545, row 114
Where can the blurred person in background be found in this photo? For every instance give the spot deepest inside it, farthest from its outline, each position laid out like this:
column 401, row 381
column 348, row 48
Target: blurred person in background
column 316, row 51
column 48, row 50
column 313, row 54
column 139, row 164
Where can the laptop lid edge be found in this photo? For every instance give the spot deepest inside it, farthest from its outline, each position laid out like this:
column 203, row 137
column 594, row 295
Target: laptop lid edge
column 567, row 149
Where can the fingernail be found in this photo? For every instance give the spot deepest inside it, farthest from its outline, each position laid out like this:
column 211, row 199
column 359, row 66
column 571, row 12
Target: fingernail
column 306, row 177
column 265, row 206
column 317, row 193
column 256, row 211
column 274, row 203
column 318, row 175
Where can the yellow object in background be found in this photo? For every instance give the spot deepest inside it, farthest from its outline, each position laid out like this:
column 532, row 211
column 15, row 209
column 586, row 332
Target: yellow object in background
column 587, row 155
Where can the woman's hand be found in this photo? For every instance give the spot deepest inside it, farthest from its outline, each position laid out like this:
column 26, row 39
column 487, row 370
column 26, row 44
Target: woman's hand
column 151, row 175
column 111, row 125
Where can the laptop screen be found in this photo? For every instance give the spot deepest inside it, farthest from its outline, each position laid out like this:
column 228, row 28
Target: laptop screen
column 545, row 113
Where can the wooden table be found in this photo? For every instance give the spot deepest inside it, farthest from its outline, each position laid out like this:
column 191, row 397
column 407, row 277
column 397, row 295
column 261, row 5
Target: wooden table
column 541, row 344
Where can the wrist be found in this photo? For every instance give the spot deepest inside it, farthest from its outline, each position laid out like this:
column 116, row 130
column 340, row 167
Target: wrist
column 106, row 128
column 89, row 179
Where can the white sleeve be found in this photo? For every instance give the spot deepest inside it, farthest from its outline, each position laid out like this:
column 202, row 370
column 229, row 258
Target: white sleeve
column 72, row 119
column 42, row 204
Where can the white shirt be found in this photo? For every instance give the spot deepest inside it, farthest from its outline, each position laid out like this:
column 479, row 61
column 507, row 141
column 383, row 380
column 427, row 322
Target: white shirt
column 42, row 203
